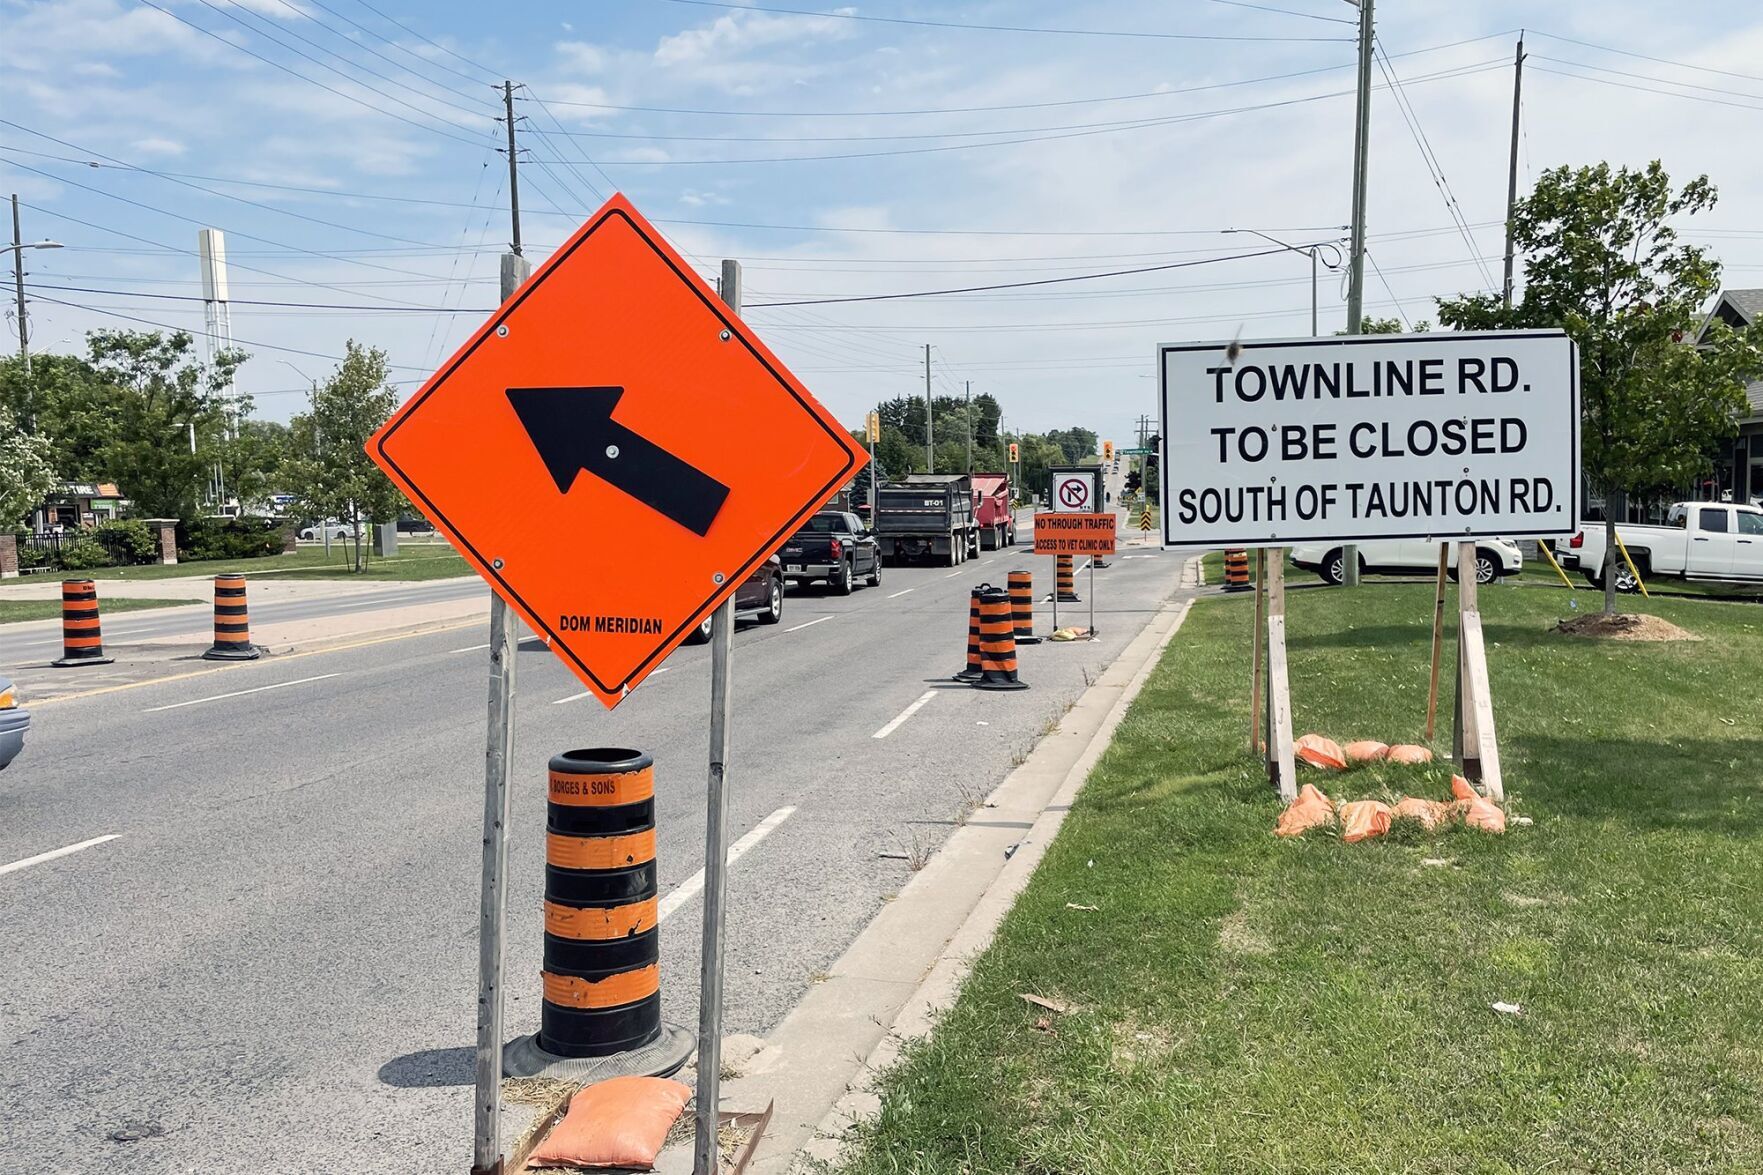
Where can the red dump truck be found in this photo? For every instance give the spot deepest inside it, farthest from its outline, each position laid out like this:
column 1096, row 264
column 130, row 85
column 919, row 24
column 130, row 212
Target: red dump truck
column 997, row 525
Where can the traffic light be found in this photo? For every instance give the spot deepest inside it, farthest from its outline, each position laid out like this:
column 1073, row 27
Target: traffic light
column 1015, row 453
column 1107, row 450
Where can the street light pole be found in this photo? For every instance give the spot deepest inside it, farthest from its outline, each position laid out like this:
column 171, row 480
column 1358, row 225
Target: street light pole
column 1311, row 251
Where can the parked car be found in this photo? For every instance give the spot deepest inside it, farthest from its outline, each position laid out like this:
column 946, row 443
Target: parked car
column 14, row 721
column 1494, row 558
column 761, row 595
column 1716, row 541
column 335, row 531
column 834, row 546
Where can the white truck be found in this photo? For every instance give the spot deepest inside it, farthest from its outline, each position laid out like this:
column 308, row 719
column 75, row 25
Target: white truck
column 1719, row 541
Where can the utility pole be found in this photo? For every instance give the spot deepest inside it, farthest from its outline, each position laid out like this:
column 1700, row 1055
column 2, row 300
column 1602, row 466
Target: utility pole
column 1356, row 268
column 930, row 452
column 969, row 385
column 486, row 1151
column 24, row 350
column 1512, row 163
column 513, row 170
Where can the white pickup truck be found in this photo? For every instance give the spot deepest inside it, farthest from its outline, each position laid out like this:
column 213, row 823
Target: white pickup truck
column 1700, row 540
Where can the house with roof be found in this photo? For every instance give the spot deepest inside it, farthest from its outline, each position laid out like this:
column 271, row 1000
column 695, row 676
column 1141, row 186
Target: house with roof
column 1738, row 468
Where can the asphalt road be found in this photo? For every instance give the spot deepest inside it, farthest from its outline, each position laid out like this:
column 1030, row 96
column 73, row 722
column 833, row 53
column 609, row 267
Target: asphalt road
column 43, row 642
column 272, row 966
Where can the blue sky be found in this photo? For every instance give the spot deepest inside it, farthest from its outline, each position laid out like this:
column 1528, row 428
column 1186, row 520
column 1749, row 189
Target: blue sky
column 782, row 139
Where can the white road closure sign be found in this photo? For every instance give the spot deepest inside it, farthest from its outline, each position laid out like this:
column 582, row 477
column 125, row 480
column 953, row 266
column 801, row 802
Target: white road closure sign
column 1437, row 436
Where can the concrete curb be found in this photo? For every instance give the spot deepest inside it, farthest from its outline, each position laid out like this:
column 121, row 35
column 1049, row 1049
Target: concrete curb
column 819, row 1065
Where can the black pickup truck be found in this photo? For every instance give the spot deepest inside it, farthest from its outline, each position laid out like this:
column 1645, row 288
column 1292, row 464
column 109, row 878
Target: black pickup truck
column 834, row 546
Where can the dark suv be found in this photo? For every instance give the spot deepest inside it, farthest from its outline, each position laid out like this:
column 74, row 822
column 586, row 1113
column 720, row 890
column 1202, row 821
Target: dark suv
column 835, row 546
column 761, row 596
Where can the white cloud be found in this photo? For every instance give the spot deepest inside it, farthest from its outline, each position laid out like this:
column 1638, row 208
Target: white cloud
column 582, row 55
column 157, row 145
column 731, row 35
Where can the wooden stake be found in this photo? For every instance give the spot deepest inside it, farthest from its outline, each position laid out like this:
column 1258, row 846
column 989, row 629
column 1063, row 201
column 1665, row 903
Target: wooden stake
column 1281, row 765
column 1438, row 639
column 1255, row 633
column 1473, row 743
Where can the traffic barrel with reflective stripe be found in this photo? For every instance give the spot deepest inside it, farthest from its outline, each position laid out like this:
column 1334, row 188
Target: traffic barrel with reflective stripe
column 81, row 641
column 1022, row 607
column 1067, row 580
column 232, row 622
column 997, row 643
column 602, row 962
column 1236, row 570
column 971, row 670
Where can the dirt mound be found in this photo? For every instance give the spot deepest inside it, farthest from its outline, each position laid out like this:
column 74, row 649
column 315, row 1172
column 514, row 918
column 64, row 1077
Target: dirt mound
column 1629, row 626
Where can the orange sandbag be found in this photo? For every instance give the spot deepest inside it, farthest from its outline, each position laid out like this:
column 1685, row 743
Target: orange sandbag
column 1366, row 750
column 1462, row 789
column 1320, row 752
column 1310, row 810
column 620, row 1122
column 1430, row 814
column 1409, row 753
column 1364, row 818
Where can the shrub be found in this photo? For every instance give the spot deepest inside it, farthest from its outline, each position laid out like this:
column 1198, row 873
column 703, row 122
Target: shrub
column 30, row 556
column 130, row 541
column 229, row 538
column 79, row 553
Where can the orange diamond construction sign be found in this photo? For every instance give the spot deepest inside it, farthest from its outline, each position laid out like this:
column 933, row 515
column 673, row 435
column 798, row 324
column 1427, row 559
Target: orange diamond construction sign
column 615, row 451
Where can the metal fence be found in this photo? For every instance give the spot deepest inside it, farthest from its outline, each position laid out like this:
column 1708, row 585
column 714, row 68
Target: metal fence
column 51, row 550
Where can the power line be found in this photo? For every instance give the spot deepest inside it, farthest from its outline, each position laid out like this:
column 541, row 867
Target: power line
column 1749, row 77
column 1142, row 124
column 1046, row 281
column 1430, row 158
column 996, row 28
column 1287, row 11
column 355, row 44
column 1561, row 73
column 314, row 81
column 263, row 302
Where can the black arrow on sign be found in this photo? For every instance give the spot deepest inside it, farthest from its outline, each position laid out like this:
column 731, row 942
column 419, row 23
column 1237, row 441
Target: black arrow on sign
column 573, row 429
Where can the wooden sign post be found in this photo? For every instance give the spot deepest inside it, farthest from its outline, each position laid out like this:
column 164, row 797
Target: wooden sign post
column 1473, row 745
column 1282, row 769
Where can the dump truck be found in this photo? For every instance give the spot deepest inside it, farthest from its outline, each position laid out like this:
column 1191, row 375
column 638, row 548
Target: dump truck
column 927, row 518
column 997, row 525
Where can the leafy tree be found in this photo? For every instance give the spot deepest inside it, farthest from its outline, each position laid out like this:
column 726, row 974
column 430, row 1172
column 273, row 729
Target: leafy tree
column 26, row 476
column 252, row 460
column 1390, row 326
column 1603, row 262
column 159, row 389
column 69, row 404
column 335, row 478
column 1076, row 444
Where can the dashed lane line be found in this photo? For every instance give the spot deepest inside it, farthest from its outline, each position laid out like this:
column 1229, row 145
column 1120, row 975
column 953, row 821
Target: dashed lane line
column 52, row 854
column 809, row 624
column 900, row 719
column 241, row 693
column 690, row 887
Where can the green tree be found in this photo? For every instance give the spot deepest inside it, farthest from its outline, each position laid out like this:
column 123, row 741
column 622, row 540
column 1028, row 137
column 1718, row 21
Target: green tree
column 252, row 459
column 334, row 477
column 1390, row 326
column 1603, row 262
column 67, row 402
column 1077, row 444
column 26, row 476
column 159, row 391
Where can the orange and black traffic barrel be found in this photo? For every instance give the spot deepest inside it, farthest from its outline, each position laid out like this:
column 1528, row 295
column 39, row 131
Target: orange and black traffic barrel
column 1236, row 570
column 1022, row 607
column 81, row 641
column 1067, row 580
column 602, row 964
column 232, row 622
column 997, row 643
column 971, row 670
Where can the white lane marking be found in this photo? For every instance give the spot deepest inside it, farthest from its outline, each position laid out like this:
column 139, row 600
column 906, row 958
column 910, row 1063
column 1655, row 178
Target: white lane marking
column 240, row 693
column 810, row 624
column 689, row 888
column 472, row 649
column 588, row 694
column 907, row 592
column 54, row 853
column 908, row 712
column 951, row 575
column 537, row 640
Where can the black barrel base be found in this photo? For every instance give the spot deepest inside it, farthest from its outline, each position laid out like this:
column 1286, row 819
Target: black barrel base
column 1000, row 684
column 70, row 662
column 527, row 1056
column 1026, row 640
column 233, row 653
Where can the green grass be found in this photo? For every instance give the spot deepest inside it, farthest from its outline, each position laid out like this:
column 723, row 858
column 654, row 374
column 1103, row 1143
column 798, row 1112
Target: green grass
column 412, row 562
column 13, row 611
column 1245, row 1004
